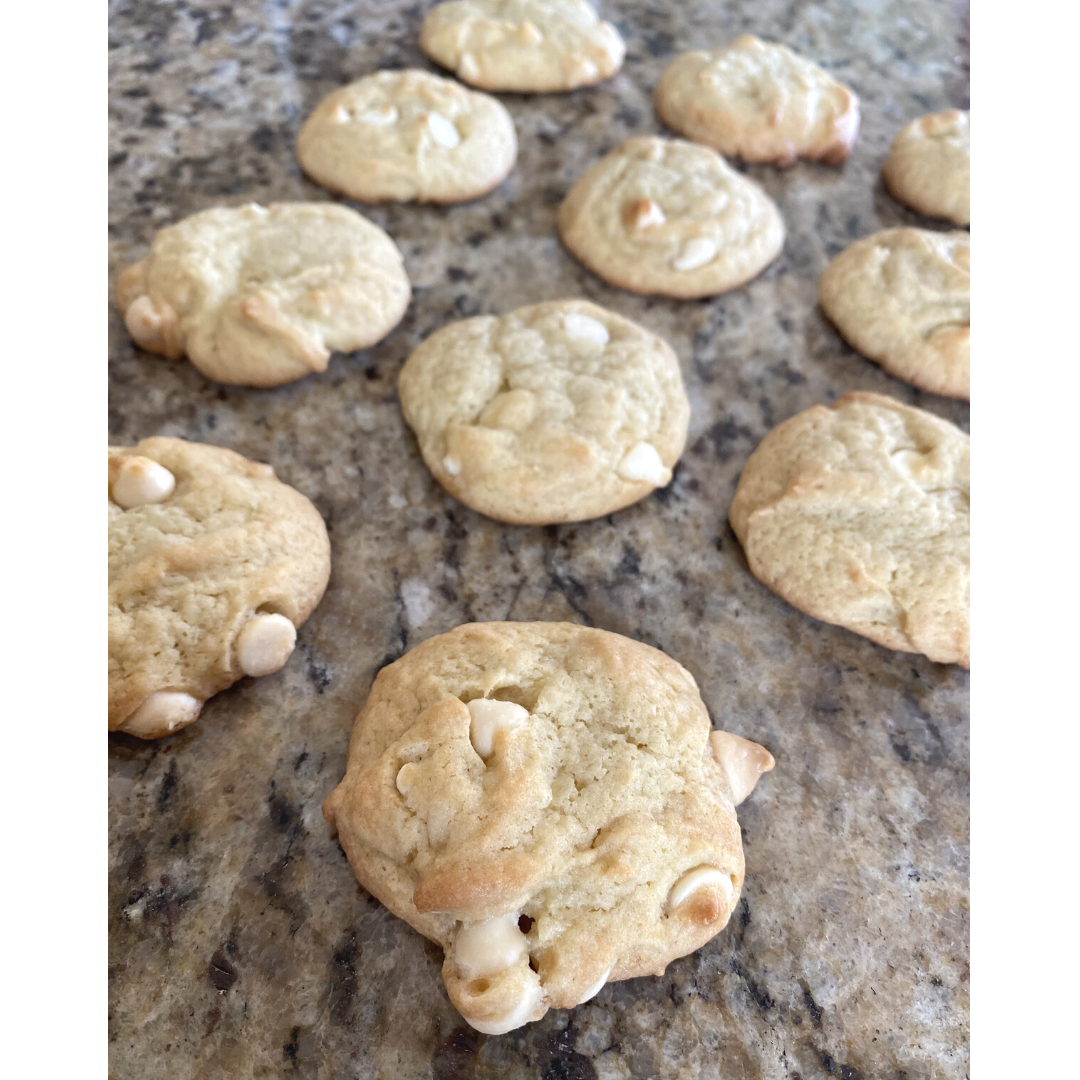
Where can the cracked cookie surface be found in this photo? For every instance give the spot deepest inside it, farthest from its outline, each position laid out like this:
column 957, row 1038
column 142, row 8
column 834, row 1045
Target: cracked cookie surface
column 548, row 803
column 213, row 564
column 259, row 296
column 902, row 297
column 561, row 411
column 759, row 101
column 525, row 46
column 408, row 135
column 858, row 515
column 929, row 166
column 670, row 218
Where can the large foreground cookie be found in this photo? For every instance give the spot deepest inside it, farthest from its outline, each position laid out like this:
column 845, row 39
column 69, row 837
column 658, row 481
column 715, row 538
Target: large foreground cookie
column 667, row 217
column 547, row 803
column 929, row 166
column 561, row 411
column 759, row 101
column 213, row 564
column 902, row 297
column 259, row 296
column 858, row 515
column 522, row 45
column 408, row 135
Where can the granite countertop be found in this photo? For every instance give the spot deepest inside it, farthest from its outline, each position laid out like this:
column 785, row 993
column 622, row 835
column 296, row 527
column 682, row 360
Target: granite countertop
column 240, row 943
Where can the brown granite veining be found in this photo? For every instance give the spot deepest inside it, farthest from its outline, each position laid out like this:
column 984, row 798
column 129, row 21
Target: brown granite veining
column 240, row 943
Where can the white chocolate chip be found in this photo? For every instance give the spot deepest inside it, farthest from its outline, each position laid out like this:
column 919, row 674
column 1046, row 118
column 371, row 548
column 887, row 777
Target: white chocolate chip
column 383, row 116
column 264, row 644
column 442, row 130
column 468, row 68
column 698, row 878
column 451, row 465
column 140, row 482
column 585, row 328
column 597, row 986
column 161, row 713
column 144, row 322
column 645, row 214
column 154, row 326
column 402, row 780
column 342, row 115
column 257, row 208
column 488, row 717
column 528, row 33
column 742, row 760
column 642, row 462
column 520, row 1014
column 488, row 947
column 696, row 252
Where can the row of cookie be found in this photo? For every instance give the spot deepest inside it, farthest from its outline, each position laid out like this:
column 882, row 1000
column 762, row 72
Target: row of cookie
column 260, row 297
column 857, row 514
column 752, row 99
column 270, row 291
column 564, row 411
column 412, row 136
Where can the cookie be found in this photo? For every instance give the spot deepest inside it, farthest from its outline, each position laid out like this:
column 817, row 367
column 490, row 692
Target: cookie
column 667, row 217
column 902, row 297
column 526, row 46
column 858, row 515
column 408, row 135
column 759, row 101
column 213, row 564
column 561, row 411
column 929, row 166
column 548, row 804
column 259, row 296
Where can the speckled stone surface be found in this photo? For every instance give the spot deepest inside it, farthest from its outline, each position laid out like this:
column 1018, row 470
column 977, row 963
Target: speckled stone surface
column 240, row 944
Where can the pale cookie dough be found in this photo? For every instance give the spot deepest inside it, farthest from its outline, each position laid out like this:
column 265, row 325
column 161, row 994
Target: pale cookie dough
column 668, row 217
column 759, row 101
column 408, row 135
column 548, row 804
column 929, row 166
column 525, row 46
column 902, row 297
column 259, row 296
column 858, row 514
column 213, row 564
column 561, row 411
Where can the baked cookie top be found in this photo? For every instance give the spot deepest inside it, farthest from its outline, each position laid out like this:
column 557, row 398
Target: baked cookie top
column 929, row 166
column 902, row 297
column 668, row 217
column 547, row 802
column 759, row 101
column 522, row 45
column 259, row 296
column 213, row 564
column 561, row 411
column 408, row 135
column 858, row 515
